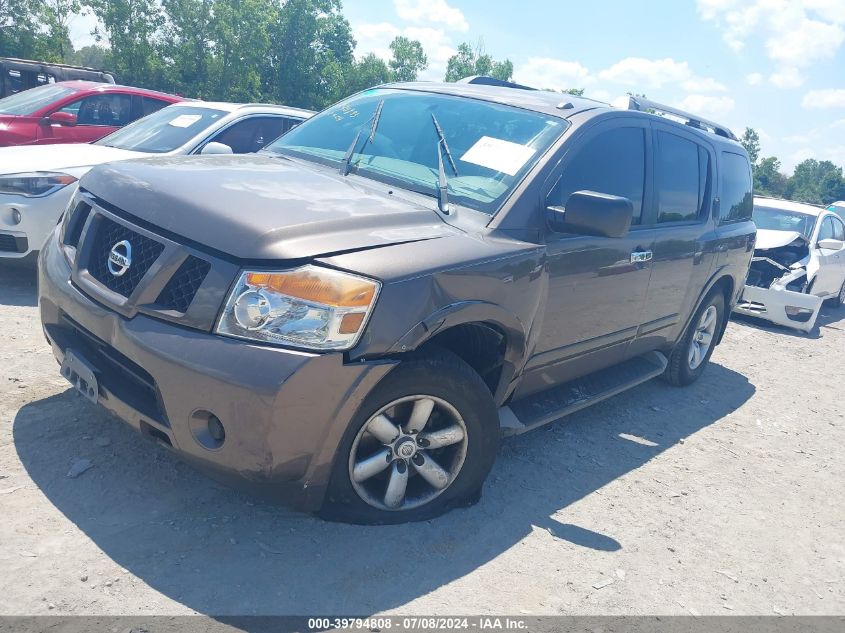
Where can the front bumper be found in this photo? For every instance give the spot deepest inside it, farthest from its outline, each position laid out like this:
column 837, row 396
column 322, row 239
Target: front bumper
column 784, row 307
column 39, row 217
column 284, row 411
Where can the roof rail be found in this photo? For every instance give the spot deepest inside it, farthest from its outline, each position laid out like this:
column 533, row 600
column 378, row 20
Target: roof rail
column 484, row 80
column 692, row 120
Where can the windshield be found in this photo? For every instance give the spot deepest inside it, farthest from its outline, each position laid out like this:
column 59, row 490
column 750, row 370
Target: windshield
column 163, row 131
column 493, row 145
column 780, row 220
column 31, row 101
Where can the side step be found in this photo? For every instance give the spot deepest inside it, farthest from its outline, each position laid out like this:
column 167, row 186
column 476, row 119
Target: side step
column 552, row 404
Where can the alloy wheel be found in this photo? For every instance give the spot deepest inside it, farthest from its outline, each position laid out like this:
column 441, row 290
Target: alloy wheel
column 407, row 453
column 702, row 337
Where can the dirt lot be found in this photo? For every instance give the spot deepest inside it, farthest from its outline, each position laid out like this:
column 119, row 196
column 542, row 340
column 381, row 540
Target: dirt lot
column 725, row 497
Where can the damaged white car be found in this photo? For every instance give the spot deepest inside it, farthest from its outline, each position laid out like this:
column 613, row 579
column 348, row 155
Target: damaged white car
column 799, row 262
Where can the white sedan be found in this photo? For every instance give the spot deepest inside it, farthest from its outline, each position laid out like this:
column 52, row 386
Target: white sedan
column 37, row 182
column 798, row 262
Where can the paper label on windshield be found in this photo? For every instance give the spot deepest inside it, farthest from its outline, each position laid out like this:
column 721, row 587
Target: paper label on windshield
column 185, row 120
column 494, row 153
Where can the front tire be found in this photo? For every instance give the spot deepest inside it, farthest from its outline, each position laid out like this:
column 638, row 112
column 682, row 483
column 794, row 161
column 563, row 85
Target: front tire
column 421, row 444
column 839, row 299
column 692, row 352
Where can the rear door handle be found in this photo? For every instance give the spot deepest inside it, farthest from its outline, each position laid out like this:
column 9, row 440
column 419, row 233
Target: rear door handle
column 638, row 257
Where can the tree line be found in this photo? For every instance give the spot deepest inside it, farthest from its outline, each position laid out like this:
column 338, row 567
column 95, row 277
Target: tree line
column 297, row 52
column 813, row 181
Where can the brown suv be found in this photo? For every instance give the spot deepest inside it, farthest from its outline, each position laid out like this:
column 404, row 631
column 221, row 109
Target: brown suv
column 352, row 318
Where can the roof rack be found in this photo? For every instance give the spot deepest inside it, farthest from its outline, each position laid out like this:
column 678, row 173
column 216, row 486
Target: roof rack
column 484, row 80
column 641, row 104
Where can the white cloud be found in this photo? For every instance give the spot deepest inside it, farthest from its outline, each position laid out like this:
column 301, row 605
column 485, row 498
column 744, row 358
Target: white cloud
column 787, row 78
column 546, row 72
column 707, row 105
column 431, row 11
column 375, row 38
column 650, row 73
column 641, row 73
column 795, row 33
column 754, row 79
column 829, row 98
column 703, row 84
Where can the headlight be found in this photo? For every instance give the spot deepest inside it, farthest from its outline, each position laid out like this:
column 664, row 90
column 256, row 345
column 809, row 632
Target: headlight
column 308, row 307
column 35, row 184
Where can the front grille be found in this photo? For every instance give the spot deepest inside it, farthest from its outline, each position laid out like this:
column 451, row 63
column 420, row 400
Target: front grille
column 73, row 230
column 12, row 244
column 183, row 285
column 145, row 251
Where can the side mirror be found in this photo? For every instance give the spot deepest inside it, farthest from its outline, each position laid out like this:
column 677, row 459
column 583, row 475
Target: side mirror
column 67, row 119
column 592, row 213
column 216, row 148
column 831, row 245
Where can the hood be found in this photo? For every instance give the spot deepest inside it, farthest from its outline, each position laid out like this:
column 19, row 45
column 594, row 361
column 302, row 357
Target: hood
column 768, row 238
column 262, row 207
column 24, row 158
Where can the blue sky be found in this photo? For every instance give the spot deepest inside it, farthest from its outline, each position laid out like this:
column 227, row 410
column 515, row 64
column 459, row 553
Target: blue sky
column 775, row 65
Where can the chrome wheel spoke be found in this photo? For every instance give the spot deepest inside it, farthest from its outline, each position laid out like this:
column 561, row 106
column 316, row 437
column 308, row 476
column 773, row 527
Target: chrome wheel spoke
column 442, row 437
column 402, row 475
column 371, row 466
column 383, row 429
column 420, row 415
column 429, row 470
column 396, row 485
column 709, row 318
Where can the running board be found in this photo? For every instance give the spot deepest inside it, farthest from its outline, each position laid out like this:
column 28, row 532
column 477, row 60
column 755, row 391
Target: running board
column 552, row 404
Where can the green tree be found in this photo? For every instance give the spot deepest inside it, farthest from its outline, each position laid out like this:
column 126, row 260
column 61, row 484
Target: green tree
column 575, row 92
column 815, row 182
column 20, row 35
column 371, row 70
column 768, row 179
column 408, row 59
column 93, row 56
column 55, row 18
column 751, row 142
column 468, row 62
column 310, row 57
column 132, row 28
column 187, row 45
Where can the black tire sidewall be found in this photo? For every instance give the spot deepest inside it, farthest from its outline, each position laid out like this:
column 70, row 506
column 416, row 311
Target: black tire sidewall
column 442, row 375
column 681, row 373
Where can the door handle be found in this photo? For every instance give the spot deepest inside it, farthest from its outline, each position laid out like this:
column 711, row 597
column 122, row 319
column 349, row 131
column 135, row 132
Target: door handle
column 638, row 257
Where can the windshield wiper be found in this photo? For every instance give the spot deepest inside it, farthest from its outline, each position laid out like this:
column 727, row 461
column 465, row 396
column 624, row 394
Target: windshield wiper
column 347, row 158
column 442, row 183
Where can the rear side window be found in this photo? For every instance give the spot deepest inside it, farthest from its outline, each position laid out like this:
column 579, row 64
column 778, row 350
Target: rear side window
column 737, row 201
column 612, row 163
column 682, row 170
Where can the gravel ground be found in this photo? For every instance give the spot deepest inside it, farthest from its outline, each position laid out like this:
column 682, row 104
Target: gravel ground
column 721, row 498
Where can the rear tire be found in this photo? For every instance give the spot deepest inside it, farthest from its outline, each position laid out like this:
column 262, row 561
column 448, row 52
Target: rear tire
column 689, row 357
column 385, row 474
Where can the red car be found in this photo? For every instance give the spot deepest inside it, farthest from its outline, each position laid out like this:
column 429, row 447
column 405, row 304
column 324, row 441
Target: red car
column 74, row 112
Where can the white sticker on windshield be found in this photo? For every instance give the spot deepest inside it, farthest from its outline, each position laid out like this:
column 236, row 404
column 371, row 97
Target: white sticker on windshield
column 494, row 153
column 185, row 120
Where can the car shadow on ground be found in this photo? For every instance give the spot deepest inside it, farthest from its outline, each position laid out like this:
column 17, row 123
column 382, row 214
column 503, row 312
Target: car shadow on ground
column 18, row 283
column 829, row 317
column 218, row 552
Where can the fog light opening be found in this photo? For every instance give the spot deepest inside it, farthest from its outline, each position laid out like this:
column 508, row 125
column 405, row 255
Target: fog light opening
column 208, row 430
column 215, row 429
column 16, row 216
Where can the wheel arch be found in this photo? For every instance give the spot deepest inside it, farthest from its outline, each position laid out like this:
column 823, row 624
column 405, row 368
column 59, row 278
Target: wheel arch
column 488, row 338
